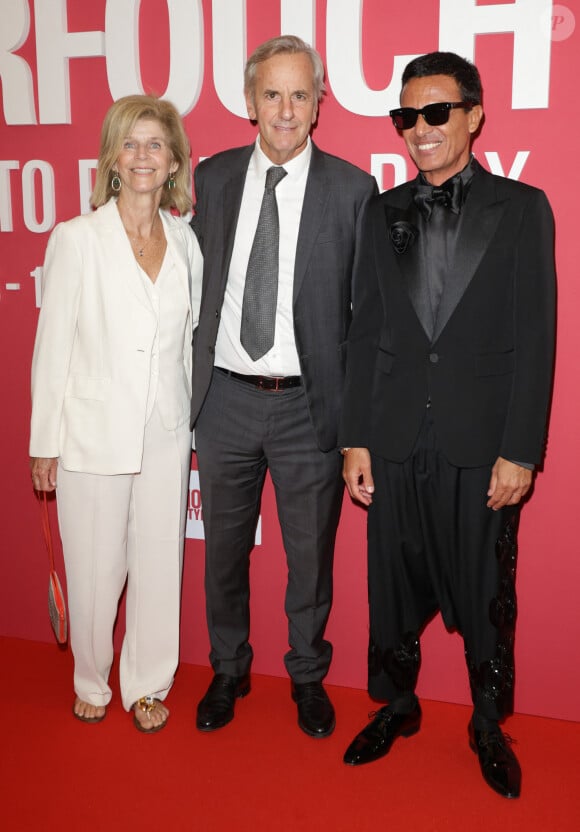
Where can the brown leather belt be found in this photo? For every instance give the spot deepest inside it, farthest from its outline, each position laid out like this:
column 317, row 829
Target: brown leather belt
column 271, row 383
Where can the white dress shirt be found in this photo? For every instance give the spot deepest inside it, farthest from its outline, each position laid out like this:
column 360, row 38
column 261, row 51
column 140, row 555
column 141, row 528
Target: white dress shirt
column 282, row 359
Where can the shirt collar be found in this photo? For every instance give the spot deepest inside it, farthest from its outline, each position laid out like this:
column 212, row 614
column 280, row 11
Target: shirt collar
column 294, row 167
column 466, row 175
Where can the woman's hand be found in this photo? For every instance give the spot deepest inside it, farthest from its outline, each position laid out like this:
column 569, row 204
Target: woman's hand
column 43, row 470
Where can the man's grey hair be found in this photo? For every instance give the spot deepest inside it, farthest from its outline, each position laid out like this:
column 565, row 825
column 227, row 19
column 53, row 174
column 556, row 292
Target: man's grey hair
column 284, row 45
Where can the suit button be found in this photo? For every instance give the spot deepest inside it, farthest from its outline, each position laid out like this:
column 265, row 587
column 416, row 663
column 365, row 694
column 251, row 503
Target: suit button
column 433, row 357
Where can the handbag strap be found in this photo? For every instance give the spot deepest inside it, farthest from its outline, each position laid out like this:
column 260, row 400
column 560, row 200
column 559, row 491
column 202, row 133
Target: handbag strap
column 46, row 528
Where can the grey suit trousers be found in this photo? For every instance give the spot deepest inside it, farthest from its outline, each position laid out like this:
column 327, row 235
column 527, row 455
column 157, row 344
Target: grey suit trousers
column 241, row 433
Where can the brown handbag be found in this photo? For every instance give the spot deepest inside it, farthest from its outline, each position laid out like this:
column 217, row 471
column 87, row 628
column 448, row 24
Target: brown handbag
column 56, row 600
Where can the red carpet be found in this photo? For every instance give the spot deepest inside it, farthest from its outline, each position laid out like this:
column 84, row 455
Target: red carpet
column 260, row 773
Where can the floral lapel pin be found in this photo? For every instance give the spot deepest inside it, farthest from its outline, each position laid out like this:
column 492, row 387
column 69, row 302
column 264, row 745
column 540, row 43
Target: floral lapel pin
column 403, row 235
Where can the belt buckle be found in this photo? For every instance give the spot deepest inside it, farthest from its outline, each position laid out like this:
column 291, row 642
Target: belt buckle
column 276, row 379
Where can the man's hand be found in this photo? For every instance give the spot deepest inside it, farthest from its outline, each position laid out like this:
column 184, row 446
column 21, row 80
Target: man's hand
column 43, row 471
column 356, row 472
column 508, row 484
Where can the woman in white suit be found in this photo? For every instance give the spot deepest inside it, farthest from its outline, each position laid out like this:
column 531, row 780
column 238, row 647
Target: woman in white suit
column 111, row 389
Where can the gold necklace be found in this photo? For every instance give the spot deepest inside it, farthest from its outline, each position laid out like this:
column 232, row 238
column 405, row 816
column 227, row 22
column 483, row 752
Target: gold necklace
column 140, row 245
column 140, row 249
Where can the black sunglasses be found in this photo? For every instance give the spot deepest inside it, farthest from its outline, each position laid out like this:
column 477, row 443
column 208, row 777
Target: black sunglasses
column 434, row 114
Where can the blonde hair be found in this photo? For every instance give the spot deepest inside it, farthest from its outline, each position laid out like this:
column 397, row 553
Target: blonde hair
column 284, row 45
column 118, row 124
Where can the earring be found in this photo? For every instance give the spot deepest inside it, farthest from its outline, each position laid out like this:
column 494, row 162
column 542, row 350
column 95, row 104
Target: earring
column 116, row 182
column 171, row 182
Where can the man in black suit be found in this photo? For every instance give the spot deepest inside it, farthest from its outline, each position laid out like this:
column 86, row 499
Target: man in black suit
column 448, row 383
column 273, row 404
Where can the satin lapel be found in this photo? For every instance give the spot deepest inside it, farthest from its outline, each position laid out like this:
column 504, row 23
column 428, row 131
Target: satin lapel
column 480, row 217
column 316, row 198
column 119, row 251
column 408, row 261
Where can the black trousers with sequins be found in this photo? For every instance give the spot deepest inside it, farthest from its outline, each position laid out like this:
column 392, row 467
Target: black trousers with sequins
column 433, row 545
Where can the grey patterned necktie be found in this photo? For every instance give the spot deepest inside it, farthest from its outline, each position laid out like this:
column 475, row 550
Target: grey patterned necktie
column 261, row 289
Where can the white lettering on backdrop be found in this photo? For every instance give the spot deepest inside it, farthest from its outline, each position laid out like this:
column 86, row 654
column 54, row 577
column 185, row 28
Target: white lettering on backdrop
column 86, row 168
column 37, row 218
column 460, row 21
column 185, row 50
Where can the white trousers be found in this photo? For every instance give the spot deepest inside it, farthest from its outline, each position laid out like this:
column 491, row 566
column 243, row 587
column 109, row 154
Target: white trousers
column 127, row 527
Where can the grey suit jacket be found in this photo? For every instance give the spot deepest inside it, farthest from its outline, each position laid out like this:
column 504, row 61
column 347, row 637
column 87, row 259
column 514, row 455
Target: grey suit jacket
column 328, row 246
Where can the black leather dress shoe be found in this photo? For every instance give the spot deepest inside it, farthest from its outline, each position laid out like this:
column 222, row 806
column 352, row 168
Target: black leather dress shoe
column 315, row 711
column 216, row 708
column 499, row 765
column 376, row 739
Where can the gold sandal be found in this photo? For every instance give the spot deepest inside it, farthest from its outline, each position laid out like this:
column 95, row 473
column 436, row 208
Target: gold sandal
column 147, row 704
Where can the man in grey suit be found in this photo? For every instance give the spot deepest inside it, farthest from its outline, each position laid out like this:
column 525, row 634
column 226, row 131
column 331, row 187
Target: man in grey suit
column 276, row 406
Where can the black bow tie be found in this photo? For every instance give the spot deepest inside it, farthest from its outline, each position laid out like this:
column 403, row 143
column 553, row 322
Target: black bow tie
column 450, row 195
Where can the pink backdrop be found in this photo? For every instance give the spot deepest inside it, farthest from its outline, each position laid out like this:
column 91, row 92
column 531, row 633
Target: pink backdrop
column 56, row 88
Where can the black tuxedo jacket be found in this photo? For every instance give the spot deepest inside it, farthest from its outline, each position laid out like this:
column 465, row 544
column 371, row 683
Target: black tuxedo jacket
column 328, row 246
column 487, row 365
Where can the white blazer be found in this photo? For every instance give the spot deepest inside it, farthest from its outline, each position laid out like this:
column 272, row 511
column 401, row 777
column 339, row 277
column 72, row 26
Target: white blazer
column 92, row 356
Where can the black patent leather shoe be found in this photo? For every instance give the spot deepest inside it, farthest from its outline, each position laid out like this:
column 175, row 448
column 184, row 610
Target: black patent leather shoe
column 376, row 739
column 499, row 765
column 216, row 708
column 315, row 712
